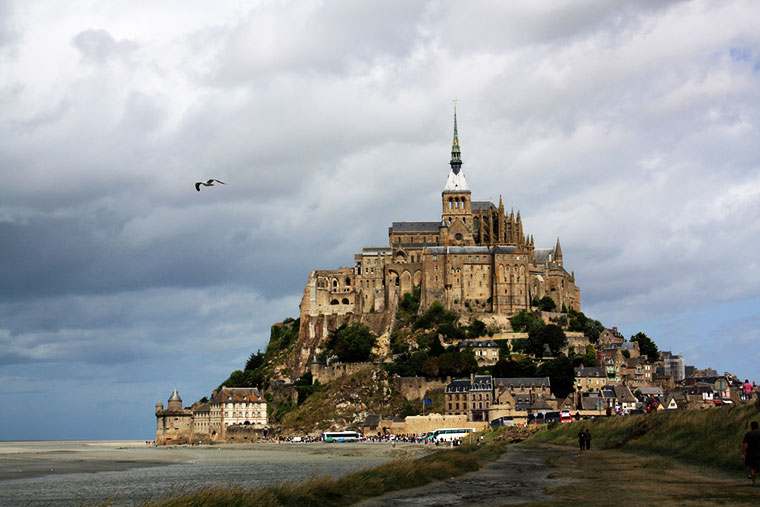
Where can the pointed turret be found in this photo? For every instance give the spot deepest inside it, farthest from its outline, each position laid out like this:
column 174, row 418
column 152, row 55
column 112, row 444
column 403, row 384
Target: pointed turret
column 501, row 206
column 456, row 181
column 518, row 215
column 456, row 154
column 558, row 252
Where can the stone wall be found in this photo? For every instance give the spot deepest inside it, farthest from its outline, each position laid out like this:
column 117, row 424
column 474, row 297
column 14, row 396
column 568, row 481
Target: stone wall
column 243, row 433
column 414, row 388
column 327, row 374
column 427, row 423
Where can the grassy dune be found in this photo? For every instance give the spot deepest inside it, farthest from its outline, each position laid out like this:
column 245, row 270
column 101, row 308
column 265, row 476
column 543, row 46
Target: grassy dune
column 705, row 437
column 350, row 488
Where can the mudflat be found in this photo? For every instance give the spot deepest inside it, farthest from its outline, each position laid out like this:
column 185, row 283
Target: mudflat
column 22, row 460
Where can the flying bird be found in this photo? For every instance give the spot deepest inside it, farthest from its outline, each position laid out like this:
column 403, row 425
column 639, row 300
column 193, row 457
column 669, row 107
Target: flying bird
column 209, row 183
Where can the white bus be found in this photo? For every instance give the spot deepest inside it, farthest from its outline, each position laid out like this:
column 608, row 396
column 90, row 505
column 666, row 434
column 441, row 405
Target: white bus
column 341, row 436
column 449, row 434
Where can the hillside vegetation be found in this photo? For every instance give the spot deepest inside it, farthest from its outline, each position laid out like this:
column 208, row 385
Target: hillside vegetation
column 710, row 437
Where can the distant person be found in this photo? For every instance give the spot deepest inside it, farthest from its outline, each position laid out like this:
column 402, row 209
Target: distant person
column 581, row 440
column 587, row 437
column 751, row 450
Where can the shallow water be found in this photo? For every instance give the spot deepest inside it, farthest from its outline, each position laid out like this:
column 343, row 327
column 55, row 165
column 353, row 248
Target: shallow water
column 201, row 467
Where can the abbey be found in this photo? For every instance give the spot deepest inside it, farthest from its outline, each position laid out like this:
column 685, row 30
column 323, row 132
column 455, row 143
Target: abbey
column 475, row 258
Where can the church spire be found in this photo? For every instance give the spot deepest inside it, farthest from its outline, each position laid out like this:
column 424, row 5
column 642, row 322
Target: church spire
column 456, row 154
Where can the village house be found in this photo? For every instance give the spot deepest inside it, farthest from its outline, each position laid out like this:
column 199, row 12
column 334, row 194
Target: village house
column 486, row 351
column 589, row 378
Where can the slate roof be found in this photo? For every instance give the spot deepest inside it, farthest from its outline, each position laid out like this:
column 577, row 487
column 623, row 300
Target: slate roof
column 650, row 391
column 523, row 381
column 589, row 402
column 482, row 383
column 203, row 407
column 237, row 395
column 175, row 396
column 539, row 403
column 522, row 401
column 543, row 254
column 482, row 205
column 372, row 421
column 415, row 227
column 458, row 385
column 593, row 372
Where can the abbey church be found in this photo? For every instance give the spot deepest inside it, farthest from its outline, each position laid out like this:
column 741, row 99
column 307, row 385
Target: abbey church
column 475, row 258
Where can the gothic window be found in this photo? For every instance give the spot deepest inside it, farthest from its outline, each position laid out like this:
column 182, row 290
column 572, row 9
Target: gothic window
column 334, row 302
column 348, row 281
column 458, row 237
column 345, row 301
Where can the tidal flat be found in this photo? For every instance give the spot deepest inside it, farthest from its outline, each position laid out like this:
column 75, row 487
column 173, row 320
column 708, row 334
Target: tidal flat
column 44, row 473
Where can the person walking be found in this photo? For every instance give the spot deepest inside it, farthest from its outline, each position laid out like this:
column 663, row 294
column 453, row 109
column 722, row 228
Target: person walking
column 581, row 440
column 751, row 450
column 587, row 437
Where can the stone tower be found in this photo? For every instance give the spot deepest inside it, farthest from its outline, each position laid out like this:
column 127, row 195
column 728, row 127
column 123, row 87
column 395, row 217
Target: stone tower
column 456, row 199
column 175, row 402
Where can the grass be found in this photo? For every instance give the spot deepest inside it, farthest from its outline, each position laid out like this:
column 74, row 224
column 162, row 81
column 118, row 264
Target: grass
column 710, row 437
column 347, row 489
column 611, row 477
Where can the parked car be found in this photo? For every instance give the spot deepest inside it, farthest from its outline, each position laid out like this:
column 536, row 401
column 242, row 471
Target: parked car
column 565, row 416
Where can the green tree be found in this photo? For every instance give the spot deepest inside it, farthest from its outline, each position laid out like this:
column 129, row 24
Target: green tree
column 476, row 329
column 540, row 337
column 561, row 374
column 450, row 331
column 524, row 321
column 457, row 363
column 647, row 346
column 254, row 361
column 435, row 315
column 507, row 368
column 304, row 387
column 547, row 304
column 352, row 343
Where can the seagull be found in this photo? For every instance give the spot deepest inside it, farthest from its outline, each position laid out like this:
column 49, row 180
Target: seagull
column 209, row 183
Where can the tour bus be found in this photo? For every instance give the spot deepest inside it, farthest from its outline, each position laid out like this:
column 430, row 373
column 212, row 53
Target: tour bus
column 543, row 417
column 341, row 436
column 449, row 434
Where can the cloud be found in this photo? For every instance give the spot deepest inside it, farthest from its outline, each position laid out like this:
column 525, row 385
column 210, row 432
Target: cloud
column 99, row 47
column 627, row 131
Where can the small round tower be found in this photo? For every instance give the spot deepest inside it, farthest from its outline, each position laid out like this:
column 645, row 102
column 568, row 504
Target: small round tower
column 175, row 402
column 159, row 407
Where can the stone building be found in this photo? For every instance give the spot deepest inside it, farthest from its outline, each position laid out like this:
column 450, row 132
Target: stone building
column 482, row 397
column 173, row 425
column 476, row 257
column 238, row 408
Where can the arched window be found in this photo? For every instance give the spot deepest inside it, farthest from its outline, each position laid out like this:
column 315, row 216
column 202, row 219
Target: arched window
column 348, row 281
column 334, row 302
column 345, row 301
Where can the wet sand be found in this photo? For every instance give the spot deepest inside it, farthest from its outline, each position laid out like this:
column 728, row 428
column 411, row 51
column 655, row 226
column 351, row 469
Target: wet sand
column 23, row 460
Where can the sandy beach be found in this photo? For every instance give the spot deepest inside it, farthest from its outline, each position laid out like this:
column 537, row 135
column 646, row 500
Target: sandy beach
column 23, row 460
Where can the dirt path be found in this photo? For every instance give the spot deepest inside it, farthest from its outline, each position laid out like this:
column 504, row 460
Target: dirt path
column 550, row 475
column 520, row 475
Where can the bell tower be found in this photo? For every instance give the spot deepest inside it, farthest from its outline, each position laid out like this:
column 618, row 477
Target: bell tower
column 456, row 198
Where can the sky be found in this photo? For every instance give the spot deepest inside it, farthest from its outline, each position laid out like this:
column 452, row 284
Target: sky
column 629, row 131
